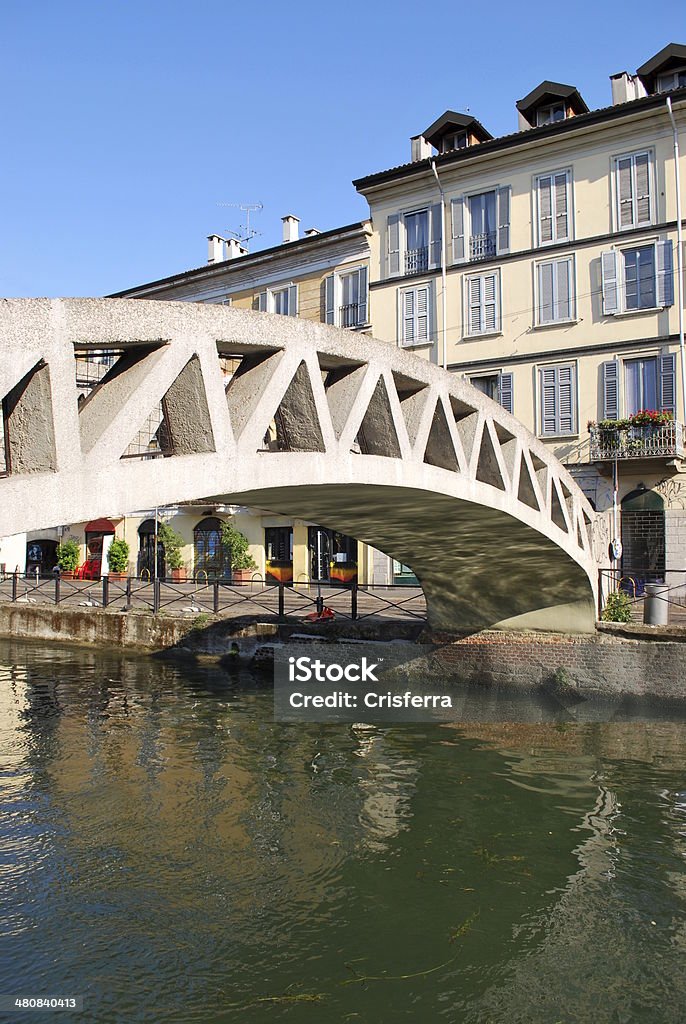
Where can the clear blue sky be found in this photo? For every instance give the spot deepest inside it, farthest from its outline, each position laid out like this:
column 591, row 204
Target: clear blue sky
column 126, row 123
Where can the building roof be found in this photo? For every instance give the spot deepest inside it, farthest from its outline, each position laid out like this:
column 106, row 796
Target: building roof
column 210, row 270
column 452, row 119
column 670, row 56
column 551, row 92
column 614, row 112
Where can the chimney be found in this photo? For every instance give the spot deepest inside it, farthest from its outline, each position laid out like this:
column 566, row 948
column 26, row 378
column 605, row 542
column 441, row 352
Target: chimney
column 290, row 228
column 215, row 249
column 626, row 87
column 311, row 232
column 420, row 148
column 234, row 249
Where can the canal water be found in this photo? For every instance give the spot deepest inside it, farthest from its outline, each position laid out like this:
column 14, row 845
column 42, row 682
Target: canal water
column 170, row 853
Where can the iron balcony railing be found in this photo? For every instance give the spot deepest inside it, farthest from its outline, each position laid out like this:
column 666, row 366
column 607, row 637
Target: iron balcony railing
column 666, row 440
column 417, row 260
column 481, row 247
column 349, row 314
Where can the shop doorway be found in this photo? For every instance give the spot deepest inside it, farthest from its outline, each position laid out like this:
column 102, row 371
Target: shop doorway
column 41, row 557
column 146, row 549
column 333, row 556
column 208, row 551
column 278, row 550
column 643, row 538
column 99, row 536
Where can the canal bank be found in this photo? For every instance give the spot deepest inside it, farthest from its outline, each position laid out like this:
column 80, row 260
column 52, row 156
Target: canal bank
column 616, row 660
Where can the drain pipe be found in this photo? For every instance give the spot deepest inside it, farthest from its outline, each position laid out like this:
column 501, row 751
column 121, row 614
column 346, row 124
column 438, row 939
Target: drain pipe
column 679, row 255
column 444, row 297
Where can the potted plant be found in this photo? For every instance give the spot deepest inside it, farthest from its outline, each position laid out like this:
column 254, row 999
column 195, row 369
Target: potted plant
column 243, row 565
column 68, row 557
column 172, row 542
column 118, row 559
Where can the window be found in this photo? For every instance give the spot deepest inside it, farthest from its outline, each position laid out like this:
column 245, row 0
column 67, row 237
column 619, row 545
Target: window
column 555, row 291
column 553, row 204
column 483, row 303
column 484, row 218
column 457, row 140
column 413, row 241
column 279, row 300
column 557, row 399
column 209, row 557
column 672, row 80
column 632, row 174
column 551, row 114
column 497, row 386
column 415, row 315
column 649, row 383
column 637, row 278
column 346, row 298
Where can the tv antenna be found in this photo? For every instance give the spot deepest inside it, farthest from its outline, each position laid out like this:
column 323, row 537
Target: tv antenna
column 245, row 233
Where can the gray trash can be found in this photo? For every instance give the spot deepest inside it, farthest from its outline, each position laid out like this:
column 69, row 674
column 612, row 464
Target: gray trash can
column 656, row 605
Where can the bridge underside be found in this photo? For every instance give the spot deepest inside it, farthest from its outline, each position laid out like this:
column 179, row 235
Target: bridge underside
column 479, row 567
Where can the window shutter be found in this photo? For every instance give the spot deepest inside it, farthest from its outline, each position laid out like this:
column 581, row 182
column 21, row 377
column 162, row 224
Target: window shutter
column 362, row 301
column 667, row 383
column 503, row 205
column 457, row 209
column 545, row 209
column 548, row 400
column 422, row 300
column 563, row 307
column 642, row 182
column 262, row 302
column 565, row 376
column 407, row 313
column 292, row 300
column 611, row 390
column 625, row 192
column 329, row 316
column 474, row 303
column 610, row 281
column 393, row 242
column 664, row 275
column 505, row 391
column 545, row 293
column 490, row 303
column 435, row 235
column 561, row 211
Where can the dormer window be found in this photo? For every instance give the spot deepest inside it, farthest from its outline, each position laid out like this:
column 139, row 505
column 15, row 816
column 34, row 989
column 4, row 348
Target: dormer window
column 456, row 140
column 672, row 80
column 549, row 115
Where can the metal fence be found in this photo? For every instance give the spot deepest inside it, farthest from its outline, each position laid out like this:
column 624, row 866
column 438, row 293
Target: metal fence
column 314, row 601
column 633, row 584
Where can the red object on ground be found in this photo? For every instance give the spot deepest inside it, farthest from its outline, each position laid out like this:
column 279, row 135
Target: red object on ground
column 326, row 614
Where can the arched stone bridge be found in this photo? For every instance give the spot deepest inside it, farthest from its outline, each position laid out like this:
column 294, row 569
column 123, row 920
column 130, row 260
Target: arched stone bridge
column 365, row 438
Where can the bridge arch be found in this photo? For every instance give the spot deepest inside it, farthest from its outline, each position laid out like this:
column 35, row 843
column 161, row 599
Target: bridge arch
column 301, row 419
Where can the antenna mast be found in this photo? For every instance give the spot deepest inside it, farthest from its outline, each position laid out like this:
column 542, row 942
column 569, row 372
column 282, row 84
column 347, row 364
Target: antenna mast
column 245, row 233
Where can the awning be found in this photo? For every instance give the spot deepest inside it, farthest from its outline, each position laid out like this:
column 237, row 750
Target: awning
column 99, row 526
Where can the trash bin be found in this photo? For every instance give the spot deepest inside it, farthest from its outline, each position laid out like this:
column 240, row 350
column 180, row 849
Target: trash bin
column 656, row 605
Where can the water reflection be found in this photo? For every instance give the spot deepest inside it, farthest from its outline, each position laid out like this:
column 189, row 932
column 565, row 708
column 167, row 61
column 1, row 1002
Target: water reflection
column 170, row 852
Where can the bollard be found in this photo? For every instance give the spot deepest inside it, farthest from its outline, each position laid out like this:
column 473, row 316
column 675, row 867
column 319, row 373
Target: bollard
column 656, row 605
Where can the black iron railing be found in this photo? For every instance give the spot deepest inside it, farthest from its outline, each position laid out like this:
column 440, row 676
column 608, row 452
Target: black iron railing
column 482, row 246
column 349, row 315
column 665, row 440
column 416, row 260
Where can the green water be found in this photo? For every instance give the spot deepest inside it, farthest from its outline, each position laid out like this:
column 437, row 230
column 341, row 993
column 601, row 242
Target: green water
column 171, row 854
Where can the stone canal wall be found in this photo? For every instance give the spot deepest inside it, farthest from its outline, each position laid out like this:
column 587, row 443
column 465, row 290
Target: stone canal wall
column 632, row 660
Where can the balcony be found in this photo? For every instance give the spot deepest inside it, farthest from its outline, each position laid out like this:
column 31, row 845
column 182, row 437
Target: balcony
column 482, row 247
column 417, row 260
column 647, row 441
column 349, row 315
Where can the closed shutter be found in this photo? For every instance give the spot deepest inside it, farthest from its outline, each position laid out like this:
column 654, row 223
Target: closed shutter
column 611, row 390
column 545, row 293
column 262, row 302
column 292, row 300
column 393, row 243
column 491, row 312
column 548, row 400
column 664, row 274
column 505, row 391
column 625, row 192
column 545, row 209
column 567, row 417
column 642, row 188
column 562, row 309
column 457, row 210
column 329, row 315
column 610, row 280
column 667, row 383
column 422, row 331
column 474, row 303
column 407, row 307
column 503, row 210
column 561, row 208
column 362, row 301
column 435, row 236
